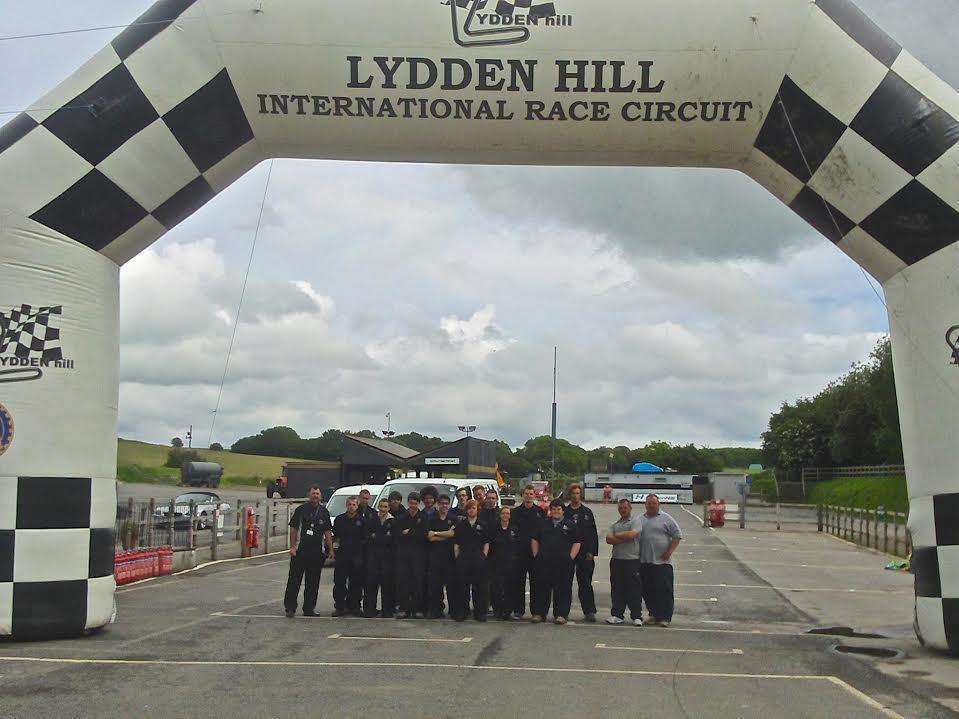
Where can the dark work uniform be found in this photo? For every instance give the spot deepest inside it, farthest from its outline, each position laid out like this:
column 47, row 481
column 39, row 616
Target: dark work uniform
column 348, row 572
column 507, row 549
column 424, row 607
column 527, row 523
column 368, row 513
column 311, row 524
column 440, row 562
column 586, row 525
column 380, row 558
column 554, row 568
column 471, row 567
column 409, row 532
column 489, row 518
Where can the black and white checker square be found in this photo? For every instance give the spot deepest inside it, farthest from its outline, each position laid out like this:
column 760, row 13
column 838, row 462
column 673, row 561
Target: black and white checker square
column 934, row 527
column 878, row 179
column 56, row 554
column 535, row 9
column 26, row 332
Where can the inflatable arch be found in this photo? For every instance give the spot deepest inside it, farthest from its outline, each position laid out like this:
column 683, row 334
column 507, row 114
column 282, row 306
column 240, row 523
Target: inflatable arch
column 810, row 98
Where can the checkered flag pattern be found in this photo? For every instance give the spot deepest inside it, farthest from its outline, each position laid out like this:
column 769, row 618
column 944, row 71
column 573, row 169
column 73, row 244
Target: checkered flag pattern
column 862, row 142
column 534, row 9
column 56, row 554
column 139, row 138
column 26, row 333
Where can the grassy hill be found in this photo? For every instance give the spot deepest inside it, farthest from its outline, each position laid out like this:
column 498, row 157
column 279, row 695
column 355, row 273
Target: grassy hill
column 143, row 462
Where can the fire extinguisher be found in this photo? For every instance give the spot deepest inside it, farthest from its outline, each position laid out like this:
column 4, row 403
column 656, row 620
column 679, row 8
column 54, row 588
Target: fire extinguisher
column 252, row 530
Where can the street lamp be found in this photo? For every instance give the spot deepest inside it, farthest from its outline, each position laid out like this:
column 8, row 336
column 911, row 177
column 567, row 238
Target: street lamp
column 468, row 428
column 388, row 432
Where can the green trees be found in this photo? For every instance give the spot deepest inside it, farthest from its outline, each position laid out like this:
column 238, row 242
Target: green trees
column 852, row 421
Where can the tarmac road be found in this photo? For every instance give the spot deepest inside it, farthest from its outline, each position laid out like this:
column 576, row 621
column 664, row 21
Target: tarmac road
column 215, row 643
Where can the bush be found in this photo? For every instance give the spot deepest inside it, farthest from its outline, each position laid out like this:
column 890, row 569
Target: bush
column 216, row 447
column 177, row 456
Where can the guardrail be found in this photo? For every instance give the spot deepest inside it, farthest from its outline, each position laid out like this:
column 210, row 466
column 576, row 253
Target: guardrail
column 877, row 529
column 817, row 474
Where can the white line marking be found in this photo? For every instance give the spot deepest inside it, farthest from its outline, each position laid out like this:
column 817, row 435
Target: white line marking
column 801, row 589
column 677, row 651
column 865, row 698
column 847, row 568
column 697, row 599
column 464, row 640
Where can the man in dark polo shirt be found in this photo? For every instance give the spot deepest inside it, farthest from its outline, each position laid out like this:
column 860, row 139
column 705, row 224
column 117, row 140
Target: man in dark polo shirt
column 311, row 541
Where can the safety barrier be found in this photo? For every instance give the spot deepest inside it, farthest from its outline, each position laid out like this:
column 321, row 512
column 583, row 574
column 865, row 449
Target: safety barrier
column 877, row 529
column 142, row 563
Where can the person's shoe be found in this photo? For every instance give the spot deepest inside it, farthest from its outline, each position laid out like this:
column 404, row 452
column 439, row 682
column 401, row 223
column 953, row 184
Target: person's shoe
column 480, row 617
column 519, row 615
column 369, row 615
column 590, row 617
column 290, row 613
column 614, row 620
column 536, row 619
column 406, row 615
column 310, row 613
column 339, row 613
column 559, row 620
column 386, row 615
column 638, row 622
column 507, row 617
column 459, row 618
column 664, row 624
column 436, row 615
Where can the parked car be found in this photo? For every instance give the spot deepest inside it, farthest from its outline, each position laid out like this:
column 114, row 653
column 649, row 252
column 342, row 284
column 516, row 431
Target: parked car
column 205, row 503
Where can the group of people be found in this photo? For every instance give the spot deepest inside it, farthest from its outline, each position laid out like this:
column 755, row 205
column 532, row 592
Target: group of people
column 427, row 558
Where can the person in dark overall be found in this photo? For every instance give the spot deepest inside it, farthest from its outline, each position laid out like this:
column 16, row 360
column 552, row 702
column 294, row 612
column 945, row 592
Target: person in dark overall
column 507, row 549
column 585, row 522
column 428, row 496
column 439, row 551
column 471, row 549
column 555, row 547
column 489, row 516
column 527, row 517
column 409, row 531
column 311, row 540
column 380, row 558
column 367, row 512
column 350, row 529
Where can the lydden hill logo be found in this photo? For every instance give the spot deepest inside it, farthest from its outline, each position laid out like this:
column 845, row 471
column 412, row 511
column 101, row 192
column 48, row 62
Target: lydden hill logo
column 30, row 343
column 952, row 339
column 6, row 429
column 501, row 22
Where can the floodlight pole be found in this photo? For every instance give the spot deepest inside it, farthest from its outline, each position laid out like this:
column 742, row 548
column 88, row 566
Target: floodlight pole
column 553, row 435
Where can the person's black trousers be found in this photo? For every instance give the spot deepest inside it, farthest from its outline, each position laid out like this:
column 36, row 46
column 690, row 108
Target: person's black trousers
column 379, row 579
column 626, row 587
column 554, row 585
column 657, row 582
column 503, row 577
column 348, row 582
column 440, row 580
column 299, row 567
column 584, row 583
column 410, row 572
column 525, row 566
column 472, row 576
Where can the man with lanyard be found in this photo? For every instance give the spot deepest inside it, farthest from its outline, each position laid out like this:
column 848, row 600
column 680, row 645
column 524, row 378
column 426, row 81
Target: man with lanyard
column 350, row 530
column 439, row 551
column 527, row 517
column 585, row 522
column 311, row 540
column 409, row 532
column 555, row 548
column 380, row 557
column 365, row 510
column 625, row 579
column 659, row 539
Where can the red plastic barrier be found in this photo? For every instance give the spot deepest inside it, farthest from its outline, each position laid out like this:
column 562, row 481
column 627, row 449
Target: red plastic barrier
column 136, row 564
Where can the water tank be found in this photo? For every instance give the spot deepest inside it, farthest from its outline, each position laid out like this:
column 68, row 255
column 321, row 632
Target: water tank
column 206, row 474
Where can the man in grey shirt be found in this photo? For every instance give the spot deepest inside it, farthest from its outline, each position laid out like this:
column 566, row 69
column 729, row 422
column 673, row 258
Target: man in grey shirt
column 657, row 542
column 624, row 567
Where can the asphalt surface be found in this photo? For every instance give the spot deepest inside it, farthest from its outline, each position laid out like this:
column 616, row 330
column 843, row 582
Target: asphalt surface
column 214, row 642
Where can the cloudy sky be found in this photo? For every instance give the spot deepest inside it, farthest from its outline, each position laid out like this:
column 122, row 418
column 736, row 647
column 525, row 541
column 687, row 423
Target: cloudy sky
column 686, row 304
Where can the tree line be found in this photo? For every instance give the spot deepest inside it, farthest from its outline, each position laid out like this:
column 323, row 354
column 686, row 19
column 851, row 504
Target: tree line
column 854, row 420
column 534, row 455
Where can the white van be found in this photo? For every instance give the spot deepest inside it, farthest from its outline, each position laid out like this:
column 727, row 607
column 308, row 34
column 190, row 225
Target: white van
column 447, row 486
column 337, row 502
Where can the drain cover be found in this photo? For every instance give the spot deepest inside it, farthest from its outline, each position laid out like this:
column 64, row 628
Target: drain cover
column 871, row 652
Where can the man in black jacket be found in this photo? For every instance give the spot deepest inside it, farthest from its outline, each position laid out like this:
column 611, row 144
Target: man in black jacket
column 439, row 551
column 350, row 529
column 409, row 531
column 380, row 557
column 311, row 541
column 585, row 522
column 527, row 517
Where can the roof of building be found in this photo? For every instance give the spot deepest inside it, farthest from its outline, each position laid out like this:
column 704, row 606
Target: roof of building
column 385, row 445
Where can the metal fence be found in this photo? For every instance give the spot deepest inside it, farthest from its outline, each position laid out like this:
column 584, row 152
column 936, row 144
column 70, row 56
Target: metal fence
column 146, row 523
column 818, row 474
column 875, row 528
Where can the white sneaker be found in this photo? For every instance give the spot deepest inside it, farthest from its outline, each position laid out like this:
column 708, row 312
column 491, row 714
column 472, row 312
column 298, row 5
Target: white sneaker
column 638, row 622
column 615, row 620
